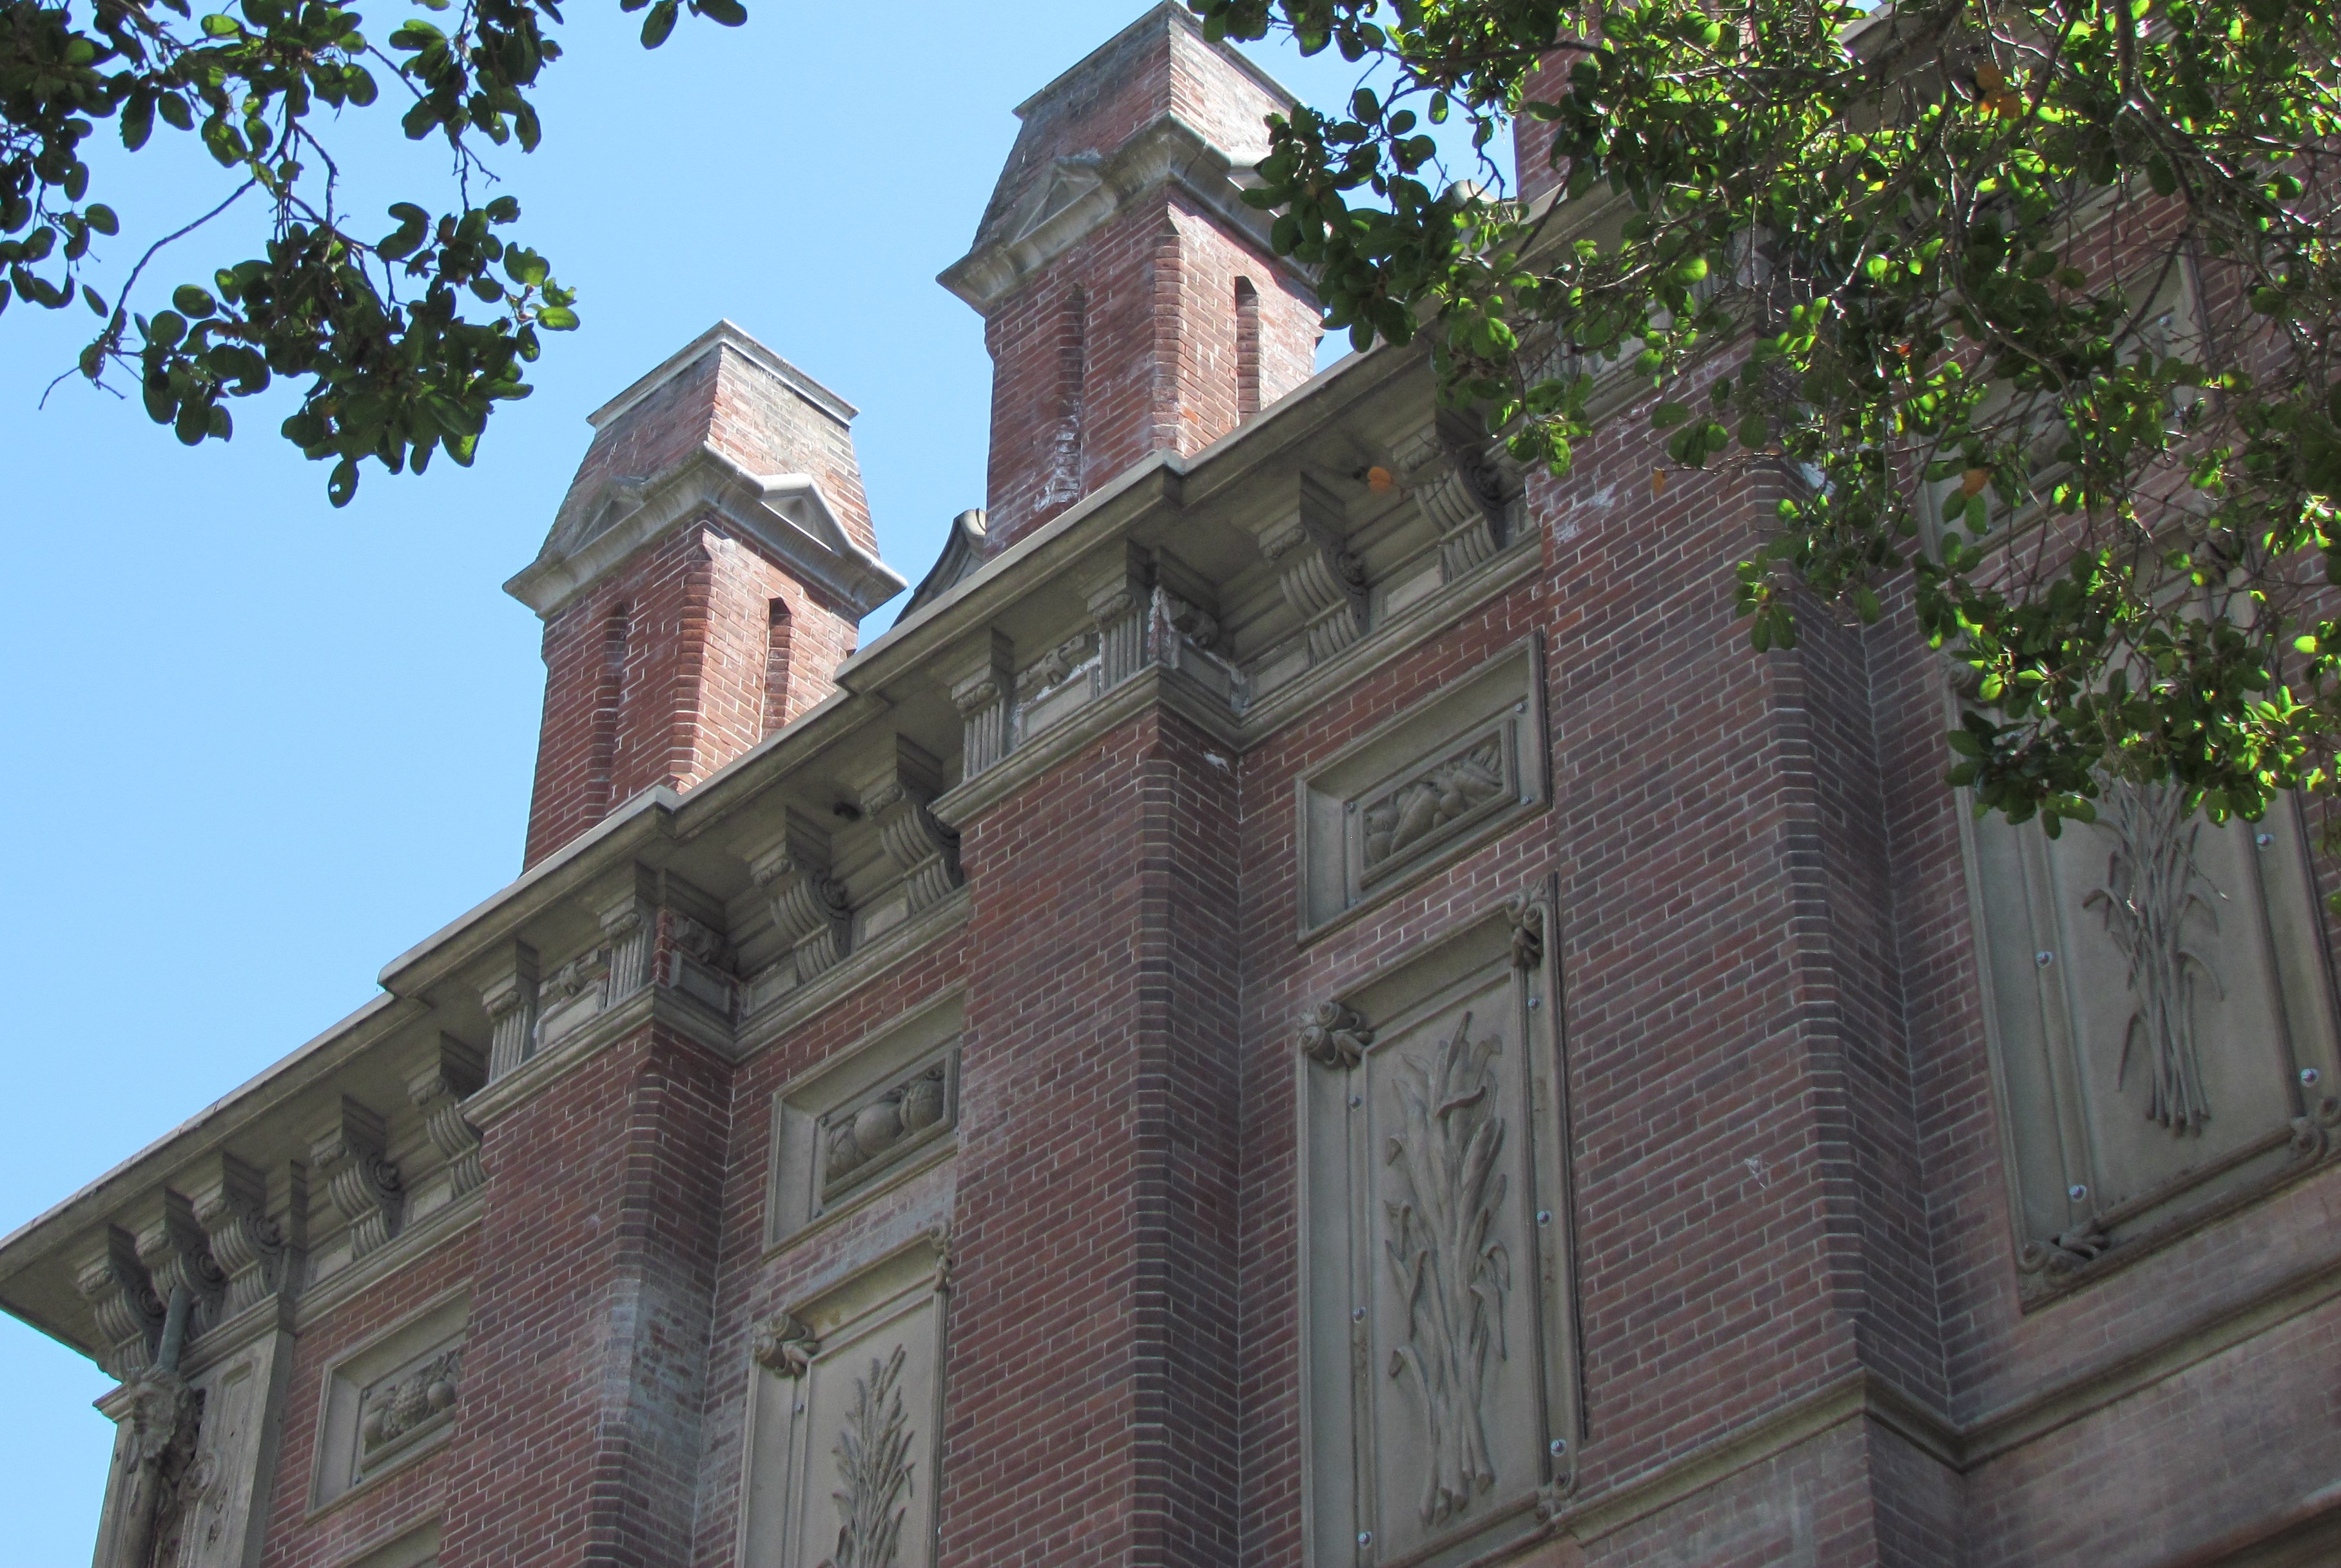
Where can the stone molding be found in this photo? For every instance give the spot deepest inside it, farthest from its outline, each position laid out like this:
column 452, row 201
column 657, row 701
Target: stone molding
column 785, row 515
column 872, row 959
column 1439, row 1403
column 2102, row 954
column 1170, row 152
column 389, row 1399
column 867, row 1118
column 844, row 1418
column 177, row 1253
column 510, row 997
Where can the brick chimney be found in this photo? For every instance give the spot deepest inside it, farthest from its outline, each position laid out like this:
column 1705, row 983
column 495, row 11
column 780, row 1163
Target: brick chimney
column 705, row 577
column 1532, row 137
column 1131, row 301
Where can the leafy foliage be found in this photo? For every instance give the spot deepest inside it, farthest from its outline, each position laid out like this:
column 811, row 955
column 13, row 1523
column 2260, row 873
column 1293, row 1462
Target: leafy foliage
column 2031, row 302
column 408, row 341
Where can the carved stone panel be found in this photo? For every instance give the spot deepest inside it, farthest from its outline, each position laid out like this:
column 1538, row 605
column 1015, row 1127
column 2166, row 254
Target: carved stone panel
column 1444, row 775
column 842, row 1433
column 1439, row 1399
column 876, row 1112
column 390, row 1400
column 192, row 1457
column 2163, row 1028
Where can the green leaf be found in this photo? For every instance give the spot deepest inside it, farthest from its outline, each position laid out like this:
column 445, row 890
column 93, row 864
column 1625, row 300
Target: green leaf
column 658, row 24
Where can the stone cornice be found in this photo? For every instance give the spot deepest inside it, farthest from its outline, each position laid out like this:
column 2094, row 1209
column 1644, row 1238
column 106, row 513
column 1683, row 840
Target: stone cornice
column 726, row 334
column 1168, row 152
column 786, row 515
column 889, row 693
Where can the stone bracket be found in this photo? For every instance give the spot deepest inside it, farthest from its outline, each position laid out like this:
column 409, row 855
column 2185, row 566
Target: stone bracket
column 1323, row 579
column 896, row 802
column 450, row 1074
column 809, row 905
column 1463, row 493
column 347, row 1154
column 510, row 998
column 982, row 681
column 122, row 1299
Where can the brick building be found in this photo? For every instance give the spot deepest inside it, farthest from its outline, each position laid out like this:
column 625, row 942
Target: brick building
column 1310, row 1004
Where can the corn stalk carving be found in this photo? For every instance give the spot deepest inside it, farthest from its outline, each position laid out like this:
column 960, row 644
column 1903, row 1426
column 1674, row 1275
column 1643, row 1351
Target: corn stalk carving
column 2152, row 886
column 874, row 1469
column 1451, row 1272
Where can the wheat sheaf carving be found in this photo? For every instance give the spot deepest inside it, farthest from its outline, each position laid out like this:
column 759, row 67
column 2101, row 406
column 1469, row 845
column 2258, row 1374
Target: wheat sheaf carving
column 873, row 1470
column 1453, row 1273
column 2152, row 886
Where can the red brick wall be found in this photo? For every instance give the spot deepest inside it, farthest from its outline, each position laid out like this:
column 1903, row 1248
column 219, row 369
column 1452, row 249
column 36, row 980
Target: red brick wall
column 694, row 692
column 752, row 1286
column 1092, row 1376
column 584, row 1374
column 403, row 1496
column 1158, row 363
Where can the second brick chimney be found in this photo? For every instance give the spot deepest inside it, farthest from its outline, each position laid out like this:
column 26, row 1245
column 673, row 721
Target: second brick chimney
column 706, row 575
column 1131, row 302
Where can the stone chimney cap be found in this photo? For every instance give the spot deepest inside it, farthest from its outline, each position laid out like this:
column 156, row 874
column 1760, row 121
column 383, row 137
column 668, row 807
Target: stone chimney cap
column 1176, row 15
column 725, row 333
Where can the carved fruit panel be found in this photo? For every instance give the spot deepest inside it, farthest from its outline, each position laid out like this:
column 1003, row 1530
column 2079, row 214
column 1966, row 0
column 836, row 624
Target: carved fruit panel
column 842, row 1456
column 865, row 1120
column 1439, row 1375
column 390, row 1400
column 2159, row 988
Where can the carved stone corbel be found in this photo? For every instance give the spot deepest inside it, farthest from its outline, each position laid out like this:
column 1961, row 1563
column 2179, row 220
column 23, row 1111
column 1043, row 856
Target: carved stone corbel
column 809, row 905
column 157, row 1470
column 451, row 1074
column 1323, row 580
column 231, row 1203
column 510, row 1000
column 895, row 802
column 347, row 1156
column 178, row 1255
column 982, row 688
column 1335, row 1037
column 1526, row 916
column 1461, row 493
column 2066, row 1252
column 1118, row 590
column 785, row 1347
column 122, row 1300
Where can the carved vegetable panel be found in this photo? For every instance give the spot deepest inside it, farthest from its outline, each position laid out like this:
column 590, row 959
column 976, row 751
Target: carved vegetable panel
column 1440, row 1398
column 845, row 1420
column 1447, row 774
column 2163, row 1022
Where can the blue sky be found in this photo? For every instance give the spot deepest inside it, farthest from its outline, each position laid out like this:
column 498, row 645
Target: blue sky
column 256, row 746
